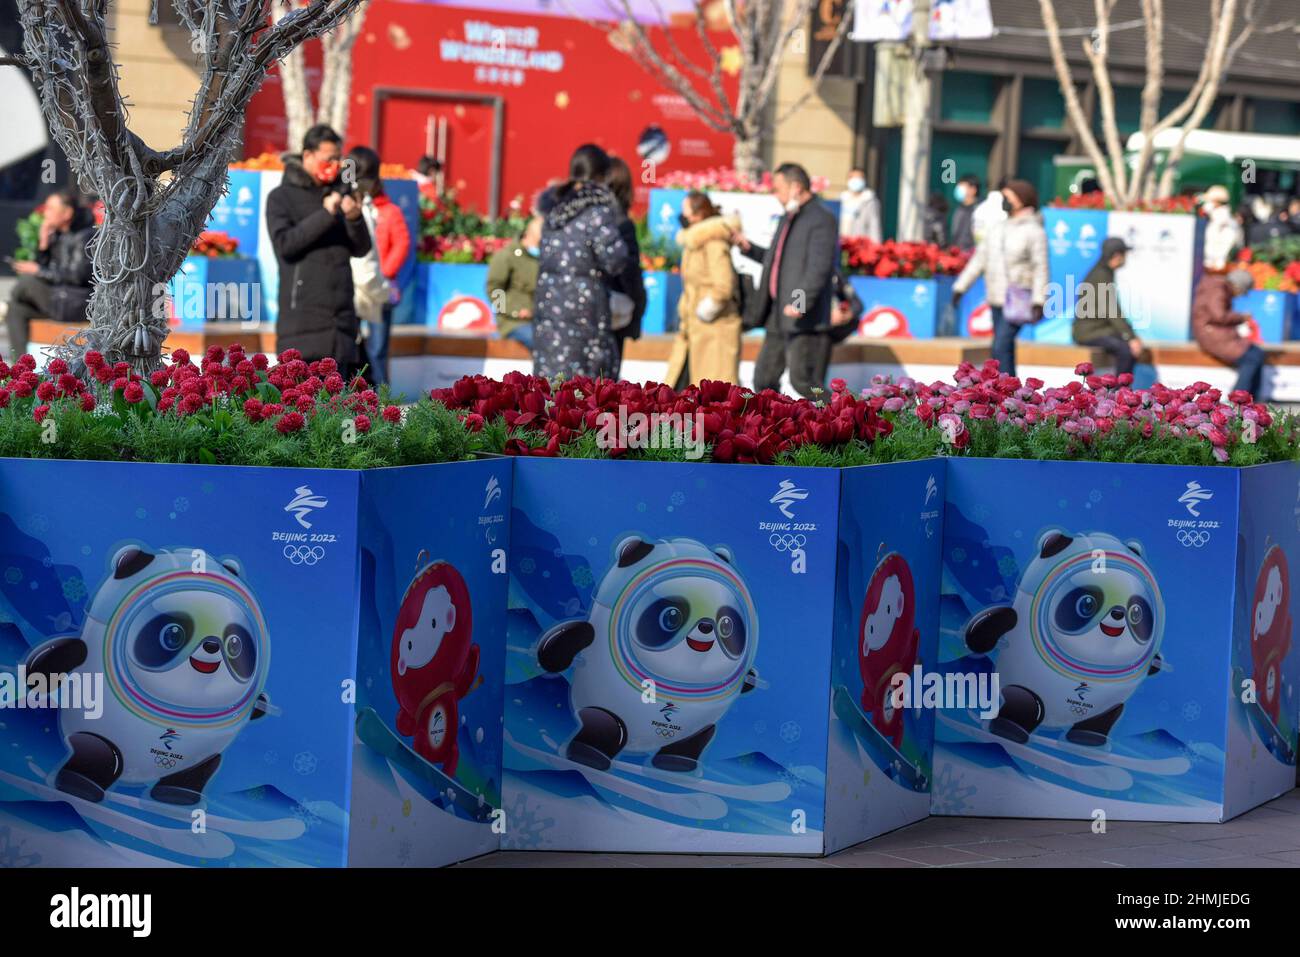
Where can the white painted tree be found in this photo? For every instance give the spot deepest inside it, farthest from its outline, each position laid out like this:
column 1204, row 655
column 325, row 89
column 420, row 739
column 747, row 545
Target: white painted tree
column 334, row 98
column 155, row 201
column 1126, row 183
column 764, row 30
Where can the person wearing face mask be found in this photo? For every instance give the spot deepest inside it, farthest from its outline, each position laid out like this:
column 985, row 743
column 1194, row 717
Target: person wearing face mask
column 1098, row 320
column 512, row 284
column 709, row 325
column 793, row 298
column 967, row 194
column 1013, row 258
column 316, row 228
column 859, row 208
column 1223, row 234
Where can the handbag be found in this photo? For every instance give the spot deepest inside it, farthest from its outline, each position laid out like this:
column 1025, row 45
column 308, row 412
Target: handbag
column 1018, row 306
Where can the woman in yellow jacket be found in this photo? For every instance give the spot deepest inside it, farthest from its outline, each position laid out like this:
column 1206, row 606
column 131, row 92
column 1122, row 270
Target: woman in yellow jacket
column 709, row 329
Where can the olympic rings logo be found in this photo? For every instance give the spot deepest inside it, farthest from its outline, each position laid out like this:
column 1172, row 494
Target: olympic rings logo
column 164, row 762
column 665, row 732
column 302, row 555
column 787, row 543
column 1190, row 539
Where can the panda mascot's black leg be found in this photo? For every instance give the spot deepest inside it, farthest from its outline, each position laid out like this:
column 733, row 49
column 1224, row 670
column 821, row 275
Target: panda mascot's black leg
column 1021, row 712
column 984, row 630
column 95, row 764
column 683, row 755
column 1096, row 730
column 185, row 787
column 601, row 736
column 561, row 644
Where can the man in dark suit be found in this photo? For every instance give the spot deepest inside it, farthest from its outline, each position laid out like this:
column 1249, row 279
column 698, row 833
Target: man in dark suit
column 793, row 298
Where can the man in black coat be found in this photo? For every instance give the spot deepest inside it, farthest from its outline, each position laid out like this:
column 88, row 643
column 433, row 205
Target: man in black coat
column 57, row 283
column 316, row 227
column 793, row 298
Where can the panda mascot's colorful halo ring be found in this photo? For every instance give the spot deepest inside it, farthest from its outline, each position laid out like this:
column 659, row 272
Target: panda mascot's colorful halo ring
column 133, row 612
column 683, row 577
column 1103, row 570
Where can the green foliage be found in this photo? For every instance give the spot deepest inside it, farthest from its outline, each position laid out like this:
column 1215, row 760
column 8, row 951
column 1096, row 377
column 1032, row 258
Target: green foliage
column 29, row 236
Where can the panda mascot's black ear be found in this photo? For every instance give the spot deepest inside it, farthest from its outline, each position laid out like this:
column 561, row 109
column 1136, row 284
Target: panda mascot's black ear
column 1053, row 543
column 1134, row 546
column 232, row 565
column 723, row 552
column 130, row 560
column 631, row 550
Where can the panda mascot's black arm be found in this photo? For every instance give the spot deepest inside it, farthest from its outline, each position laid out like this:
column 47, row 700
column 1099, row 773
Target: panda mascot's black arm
column 261, row 707
column 751, row 681
column 989, row 625
column 561, row 644
column 58, row 656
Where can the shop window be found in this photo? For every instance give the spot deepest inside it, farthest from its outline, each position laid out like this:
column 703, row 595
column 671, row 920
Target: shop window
column 968, row 97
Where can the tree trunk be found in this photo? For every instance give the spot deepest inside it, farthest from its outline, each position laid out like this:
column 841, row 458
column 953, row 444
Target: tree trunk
column 747, row 154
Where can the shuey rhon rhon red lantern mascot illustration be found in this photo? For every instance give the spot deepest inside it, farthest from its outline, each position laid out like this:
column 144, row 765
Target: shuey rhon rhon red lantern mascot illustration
column 1270, row 629
column 434, row 662
column 887, row 642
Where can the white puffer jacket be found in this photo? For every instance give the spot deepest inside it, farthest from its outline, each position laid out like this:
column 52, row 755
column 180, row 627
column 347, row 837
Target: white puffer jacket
column 1013, row 253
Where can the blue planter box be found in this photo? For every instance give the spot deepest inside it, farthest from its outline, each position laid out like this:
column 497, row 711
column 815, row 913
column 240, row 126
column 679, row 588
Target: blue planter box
column 1272, row 312
column 701, row 635
column 905, row 308
column 452, row 297
column 295, row 703
column 1076, row 598
column 662, row 290
column 216, row 290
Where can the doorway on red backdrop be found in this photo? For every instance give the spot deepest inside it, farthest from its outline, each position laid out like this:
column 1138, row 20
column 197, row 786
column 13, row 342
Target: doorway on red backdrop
column 463, row 131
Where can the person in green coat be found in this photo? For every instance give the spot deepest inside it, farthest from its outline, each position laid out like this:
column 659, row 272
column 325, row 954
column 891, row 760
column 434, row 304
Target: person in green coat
column 1098, row 320
column 511, row 283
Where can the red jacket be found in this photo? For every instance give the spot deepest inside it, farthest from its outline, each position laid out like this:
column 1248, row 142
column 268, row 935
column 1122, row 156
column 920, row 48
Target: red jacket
column 391, row 236
column 1214, row 324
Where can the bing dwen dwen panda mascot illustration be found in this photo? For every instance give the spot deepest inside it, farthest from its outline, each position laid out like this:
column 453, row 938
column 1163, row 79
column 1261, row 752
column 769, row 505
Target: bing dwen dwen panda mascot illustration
column 183, row 647
column 667, row 647
column 1081, row 636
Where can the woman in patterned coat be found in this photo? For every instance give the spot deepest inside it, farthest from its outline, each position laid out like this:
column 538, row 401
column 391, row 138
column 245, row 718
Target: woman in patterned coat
column 581, row 252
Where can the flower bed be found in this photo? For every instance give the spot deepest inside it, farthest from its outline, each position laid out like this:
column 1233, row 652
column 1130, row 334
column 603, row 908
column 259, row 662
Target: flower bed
column 306, row 733
column 1098, row 200
column 905, row 288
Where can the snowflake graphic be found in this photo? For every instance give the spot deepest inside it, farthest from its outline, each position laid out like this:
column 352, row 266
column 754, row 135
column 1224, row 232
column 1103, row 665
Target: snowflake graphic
column 207, row 488
column 1191, row 711
column 958, row 555
column 13, row 575
column 14, row 853
column 980, row 512
column 38, row 524
column 270, row 757
column 304, row 762
column 1007, row 565
column 677, row 498
column 582, row 577
column 550, row 518
column 790, row 731
column 74, row 589
column 305, row 814
column 182, row 504
column 527, row 566
column 141, row 513
column 524, row 826
column 47, row 562
column 760, row 727
column 1094, row 495
column 949, row 795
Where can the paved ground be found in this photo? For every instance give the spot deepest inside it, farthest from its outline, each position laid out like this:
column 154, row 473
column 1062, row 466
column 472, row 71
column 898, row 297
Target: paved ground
column 1268, row 836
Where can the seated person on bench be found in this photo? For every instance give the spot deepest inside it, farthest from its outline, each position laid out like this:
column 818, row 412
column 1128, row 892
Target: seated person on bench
column 1098, row 320
column 57, row 284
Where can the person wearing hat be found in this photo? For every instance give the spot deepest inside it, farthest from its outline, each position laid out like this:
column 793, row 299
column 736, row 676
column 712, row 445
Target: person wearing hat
column 1013, row 258
column 1221, row 332
column 1223, row 233
column 1098, row 320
